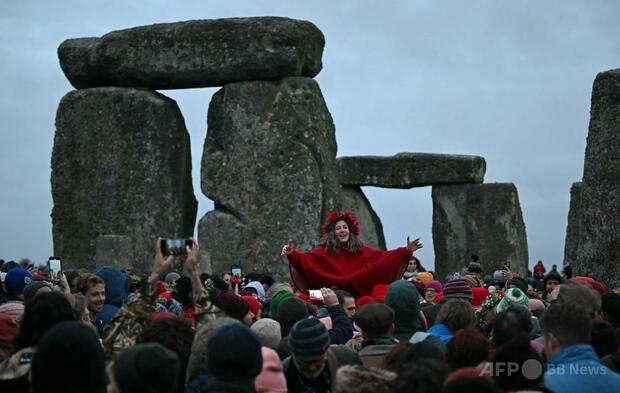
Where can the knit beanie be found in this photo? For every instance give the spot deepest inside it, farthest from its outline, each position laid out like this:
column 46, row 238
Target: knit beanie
column 308, row 337
column 474, row 267
column 271, row 378
column 290, row 311
column 31, row 289
column 457, row 289
column 16, row 280
column 234, row 353
column 500, row 276
column 268, row 331
column 472, row 281
column 379, row 290
column 252, row 303
column 69, row 347
column 146, row 368
column 513, row 296
column 363, row 379
column 233, row 305
column 518, row 282
column 425, row 277
column 552, row 275
column 436, row 285
column 276, row 300
column 479, row 295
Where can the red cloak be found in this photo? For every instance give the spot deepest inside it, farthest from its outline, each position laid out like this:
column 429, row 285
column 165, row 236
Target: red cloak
column 356, row 273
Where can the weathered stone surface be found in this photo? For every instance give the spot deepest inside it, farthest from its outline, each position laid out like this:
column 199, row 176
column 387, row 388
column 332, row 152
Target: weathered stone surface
column 483, row 219
column 114, row 250
column 196, row 53
column 599, row 247
column 573, row 228
column 407, row 170
column 120, row 165
column 353, row 199
column 269, row 164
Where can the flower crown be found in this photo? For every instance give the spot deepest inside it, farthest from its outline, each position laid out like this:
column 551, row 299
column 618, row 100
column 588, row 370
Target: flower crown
column 335, row 216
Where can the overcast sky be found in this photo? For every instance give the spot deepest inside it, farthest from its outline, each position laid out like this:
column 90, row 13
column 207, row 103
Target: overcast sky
column 510, row 81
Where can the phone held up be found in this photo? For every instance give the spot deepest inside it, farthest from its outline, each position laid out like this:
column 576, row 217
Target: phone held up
column 175, row 246
column 236, row 271
column 315, row 294
column 54, row 266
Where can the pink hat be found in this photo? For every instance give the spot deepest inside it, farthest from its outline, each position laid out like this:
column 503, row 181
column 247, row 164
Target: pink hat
column 271, row 378
column 436, row 285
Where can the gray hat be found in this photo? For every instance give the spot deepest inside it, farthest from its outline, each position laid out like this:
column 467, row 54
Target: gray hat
column 308, row 337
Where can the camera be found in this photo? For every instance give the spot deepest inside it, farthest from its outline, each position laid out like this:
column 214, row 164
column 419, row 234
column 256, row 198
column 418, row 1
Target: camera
column 315, row 294
column 54, row 265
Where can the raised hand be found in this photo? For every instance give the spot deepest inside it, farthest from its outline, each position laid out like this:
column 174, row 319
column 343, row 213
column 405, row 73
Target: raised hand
column 329, row 297
column 414, row 245
column 162, row 263
column 287, row 249
column 191, row 260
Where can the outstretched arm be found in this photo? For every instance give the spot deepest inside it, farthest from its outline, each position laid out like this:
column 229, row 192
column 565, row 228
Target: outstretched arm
column 413, row 245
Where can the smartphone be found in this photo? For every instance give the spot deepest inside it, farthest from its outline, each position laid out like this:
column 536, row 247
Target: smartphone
column 175, row 246
column 236, row 270
column 315, row 294
column 54, row 265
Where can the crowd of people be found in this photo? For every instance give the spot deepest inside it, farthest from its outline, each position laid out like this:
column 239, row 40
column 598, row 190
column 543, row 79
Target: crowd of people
column 177, row 330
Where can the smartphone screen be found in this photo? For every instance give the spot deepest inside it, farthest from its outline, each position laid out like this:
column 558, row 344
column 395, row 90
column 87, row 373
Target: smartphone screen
column 175, row 246
column 235, row 270
column 315, row 294
column 55, row 267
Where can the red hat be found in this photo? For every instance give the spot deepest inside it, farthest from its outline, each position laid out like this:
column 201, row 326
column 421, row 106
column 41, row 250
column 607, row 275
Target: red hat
column 480, row 293
column 598, row 287
column 364, row 300
column 380, row 299
column 253, row 303
column 379, row 290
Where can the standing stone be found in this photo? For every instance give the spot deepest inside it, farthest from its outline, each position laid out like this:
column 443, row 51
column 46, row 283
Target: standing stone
column 353, row 199
column 408, row 170
column 599, row 247
column 269, row 165
column 114, row 250
column 573, row 229
column 198, row 53
column 120, row 165
column 483, row 219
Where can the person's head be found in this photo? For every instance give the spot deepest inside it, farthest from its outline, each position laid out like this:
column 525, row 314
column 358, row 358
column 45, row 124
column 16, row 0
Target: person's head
column 510, row 322
column 347, row 301
column 564, row 324
column 234, row 306
column 405, row 352
column 40, row 315
column 403, row 298
column 415, row 265
column 308, row 342
column 176, row 335
column 376, row 320
column 148, row 367
column 290, row 311
column 517, row 350
column 552, row 280
column 423, row 376
column 115, row 285
column 271, row 378
column 468, row 349
column 456, row 314
column 610, row 308
column 581, row 295
column 197, row 364
column 234, row 354
column 268, row 331
column 69, row 348
column 341, row 232
column 15, row 281
column 226, row 277
column 363, row 379
column 457, row 289
column 432, row 289
column 517, row 282
column 93, row 288
column 603, row 338
column 35, row 288
column 80, row 309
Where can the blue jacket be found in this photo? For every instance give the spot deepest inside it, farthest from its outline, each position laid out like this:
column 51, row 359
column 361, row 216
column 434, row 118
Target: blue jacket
column 578, row 369
column 440, row 330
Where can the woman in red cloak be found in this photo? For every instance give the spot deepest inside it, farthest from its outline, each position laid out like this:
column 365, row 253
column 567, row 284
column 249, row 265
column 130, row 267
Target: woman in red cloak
column 343, row 262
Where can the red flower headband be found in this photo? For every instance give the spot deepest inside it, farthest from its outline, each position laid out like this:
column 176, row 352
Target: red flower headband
column 335, row 216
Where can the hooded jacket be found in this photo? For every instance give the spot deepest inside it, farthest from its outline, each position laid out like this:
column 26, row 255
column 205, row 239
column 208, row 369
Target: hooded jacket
column 577, row 369
column 115, row 292
column 402, row 298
